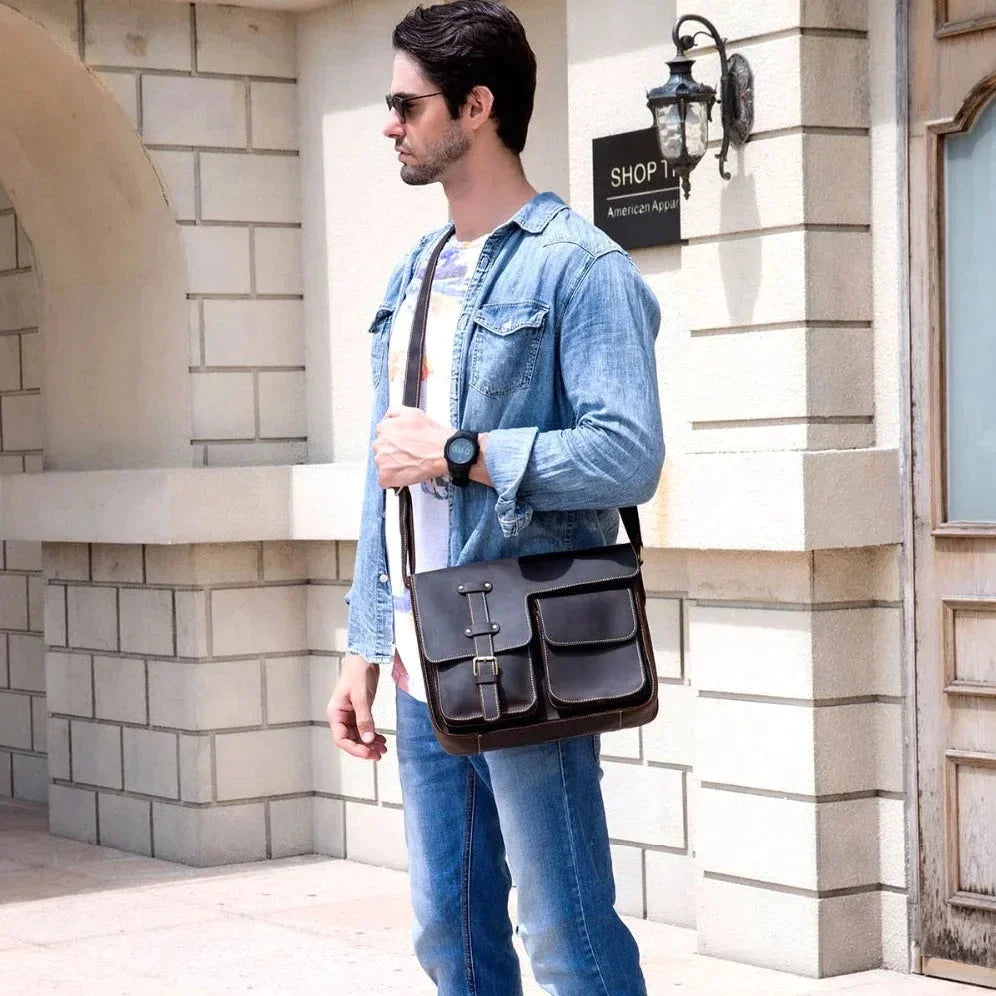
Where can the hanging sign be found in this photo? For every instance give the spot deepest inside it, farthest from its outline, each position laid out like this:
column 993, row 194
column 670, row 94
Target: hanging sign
column 636, row 197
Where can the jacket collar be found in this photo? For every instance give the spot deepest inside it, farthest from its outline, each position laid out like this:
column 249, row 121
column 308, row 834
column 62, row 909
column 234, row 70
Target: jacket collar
column 532, row 217
column 537, row 213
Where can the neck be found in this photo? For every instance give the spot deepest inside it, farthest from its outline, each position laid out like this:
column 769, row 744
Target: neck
column 483, row 195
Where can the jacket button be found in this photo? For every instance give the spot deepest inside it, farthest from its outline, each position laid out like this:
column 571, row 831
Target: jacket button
column 384, row 579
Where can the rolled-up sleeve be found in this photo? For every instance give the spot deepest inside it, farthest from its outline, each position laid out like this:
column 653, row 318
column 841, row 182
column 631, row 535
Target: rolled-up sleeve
column 507, row 456
column 613, row 454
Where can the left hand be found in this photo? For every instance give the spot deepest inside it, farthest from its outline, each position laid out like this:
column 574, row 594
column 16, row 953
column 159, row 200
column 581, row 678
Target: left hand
column 409, row 447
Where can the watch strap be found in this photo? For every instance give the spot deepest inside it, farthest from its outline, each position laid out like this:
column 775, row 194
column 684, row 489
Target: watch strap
column 460, row 473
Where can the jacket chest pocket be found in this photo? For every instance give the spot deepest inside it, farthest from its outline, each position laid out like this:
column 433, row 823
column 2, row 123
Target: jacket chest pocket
column 380, row 332
column 506, row 342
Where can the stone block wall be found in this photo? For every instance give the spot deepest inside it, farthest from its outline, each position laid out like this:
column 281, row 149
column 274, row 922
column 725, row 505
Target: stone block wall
column 788, row 715
column 211, row 91
column 187, row 689
column 187, row 695
column 22, row 666
column 186, row 686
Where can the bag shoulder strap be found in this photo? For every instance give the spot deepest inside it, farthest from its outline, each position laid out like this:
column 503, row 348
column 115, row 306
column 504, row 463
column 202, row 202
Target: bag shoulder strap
column 413, row 382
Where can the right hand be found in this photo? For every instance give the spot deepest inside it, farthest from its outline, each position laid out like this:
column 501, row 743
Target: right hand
column 349, row 708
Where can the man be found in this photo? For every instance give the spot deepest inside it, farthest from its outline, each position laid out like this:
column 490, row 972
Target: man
column 540, row 348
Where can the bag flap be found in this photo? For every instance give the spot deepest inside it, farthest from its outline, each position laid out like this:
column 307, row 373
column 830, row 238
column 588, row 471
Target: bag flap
column 588, row 617
column 443, row 613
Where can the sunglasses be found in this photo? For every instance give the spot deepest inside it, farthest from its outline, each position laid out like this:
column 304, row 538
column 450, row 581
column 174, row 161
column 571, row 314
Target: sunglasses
column 400, row 104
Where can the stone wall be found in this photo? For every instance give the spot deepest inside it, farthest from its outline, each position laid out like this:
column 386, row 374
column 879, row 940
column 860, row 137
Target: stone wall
column 211, row 91
column 22, row 664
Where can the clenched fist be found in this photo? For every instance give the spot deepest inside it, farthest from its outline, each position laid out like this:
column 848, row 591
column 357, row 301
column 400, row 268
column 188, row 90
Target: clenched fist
column 409, row 447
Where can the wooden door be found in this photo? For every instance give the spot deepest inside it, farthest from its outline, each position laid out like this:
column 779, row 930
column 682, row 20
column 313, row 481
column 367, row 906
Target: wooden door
column 952, row 190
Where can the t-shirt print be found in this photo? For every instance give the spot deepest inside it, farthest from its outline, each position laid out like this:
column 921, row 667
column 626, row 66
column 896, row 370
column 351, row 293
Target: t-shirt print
column 430, row 499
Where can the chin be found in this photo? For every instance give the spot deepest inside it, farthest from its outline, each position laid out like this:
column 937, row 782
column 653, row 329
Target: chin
column 415, row 177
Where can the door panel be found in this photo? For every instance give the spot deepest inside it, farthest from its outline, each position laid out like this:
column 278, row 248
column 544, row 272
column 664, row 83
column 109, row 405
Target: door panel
column 952, row 196
column 962, row 16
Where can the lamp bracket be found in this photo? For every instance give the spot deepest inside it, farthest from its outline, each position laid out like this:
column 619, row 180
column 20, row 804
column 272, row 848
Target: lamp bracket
column 741, row 82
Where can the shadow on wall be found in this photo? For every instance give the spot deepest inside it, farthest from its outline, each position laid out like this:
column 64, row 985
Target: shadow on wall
column 740, row 259
column 108, row 260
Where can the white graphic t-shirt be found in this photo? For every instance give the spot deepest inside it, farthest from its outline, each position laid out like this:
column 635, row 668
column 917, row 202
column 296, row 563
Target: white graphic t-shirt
column 430, row 499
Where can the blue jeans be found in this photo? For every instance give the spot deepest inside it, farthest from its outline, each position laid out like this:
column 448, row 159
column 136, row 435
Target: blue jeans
column 541, row 809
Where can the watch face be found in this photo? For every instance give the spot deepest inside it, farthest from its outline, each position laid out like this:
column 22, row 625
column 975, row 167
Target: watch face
column 461, row 450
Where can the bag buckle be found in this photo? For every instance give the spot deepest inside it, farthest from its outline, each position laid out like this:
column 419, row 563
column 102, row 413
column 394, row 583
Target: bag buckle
column 484, row 657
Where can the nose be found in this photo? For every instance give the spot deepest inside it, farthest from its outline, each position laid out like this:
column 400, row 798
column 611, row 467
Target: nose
column 393, row 128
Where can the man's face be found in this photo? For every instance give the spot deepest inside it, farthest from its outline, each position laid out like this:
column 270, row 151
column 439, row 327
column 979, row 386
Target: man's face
column 428, row 141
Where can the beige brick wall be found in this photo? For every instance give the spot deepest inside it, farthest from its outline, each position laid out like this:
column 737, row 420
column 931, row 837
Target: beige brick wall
column 770, row 775
column 187, row 701
column 212, row 92
column 23, row 727
column 187, row 696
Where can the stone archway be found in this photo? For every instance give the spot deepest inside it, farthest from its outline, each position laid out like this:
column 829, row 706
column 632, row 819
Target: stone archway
column 108, row 261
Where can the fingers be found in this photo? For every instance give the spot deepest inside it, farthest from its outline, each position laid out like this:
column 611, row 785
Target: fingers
column 347, row 738
column 364, row 720
column 352, row 723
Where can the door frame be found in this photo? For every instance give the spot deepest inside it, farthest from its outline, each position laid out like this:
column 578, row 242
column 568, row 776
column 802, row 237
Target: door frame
column 911, row 775
column 928, row 392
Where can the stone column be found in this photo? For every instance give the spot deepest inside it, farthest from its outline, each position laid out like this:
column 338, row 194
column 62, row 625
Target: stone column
column 776, row 514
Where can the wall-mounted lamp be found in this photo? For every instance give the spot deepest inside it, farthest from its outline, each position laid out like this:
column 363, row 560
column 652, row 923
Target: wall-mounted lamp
column 682, row 108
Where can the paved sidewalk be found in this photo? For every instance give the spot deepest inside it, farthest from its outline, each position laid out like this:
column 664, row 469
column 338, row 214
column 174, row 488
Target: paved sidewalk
column 81, row 920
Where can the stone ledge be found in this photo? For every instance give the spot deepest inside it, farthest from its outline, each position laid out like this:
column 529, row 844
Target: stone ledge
column 793, row 500
column 184, row 505
column 767, row 500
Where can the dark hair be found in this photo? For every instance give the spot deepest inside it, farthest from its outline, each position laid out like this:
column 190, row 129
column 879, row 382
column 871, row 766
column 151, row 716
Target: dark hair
column 472, row 43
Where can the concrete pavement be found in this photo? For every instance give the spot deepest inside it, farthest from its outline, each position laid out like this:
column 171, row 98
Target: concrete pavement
column 82, row 920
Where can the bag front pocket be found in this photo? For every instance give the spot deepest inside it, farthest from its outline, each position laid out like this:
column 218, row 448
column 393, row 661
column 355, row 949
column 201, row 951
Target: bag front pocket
column 590, row 642
column 460, row 697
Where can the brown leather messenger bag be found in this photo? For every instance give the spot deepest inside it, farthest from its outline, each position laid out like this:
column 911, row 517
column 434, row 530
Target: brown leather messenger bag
column 524, row 650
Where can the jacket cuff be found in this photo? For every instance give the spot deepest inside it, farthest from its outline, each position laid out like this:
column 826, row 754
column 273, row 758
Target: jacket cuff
column 506, row 456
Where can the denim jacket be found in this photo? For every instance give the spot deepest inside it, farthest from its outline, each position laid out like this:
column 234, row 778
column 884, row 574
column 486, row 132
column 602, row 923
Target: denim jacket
column 554, row 360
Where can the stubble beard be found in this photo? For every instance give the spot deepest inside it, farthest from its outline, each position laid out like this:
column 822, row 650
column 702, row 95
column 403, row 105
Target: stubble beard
column 436, row 160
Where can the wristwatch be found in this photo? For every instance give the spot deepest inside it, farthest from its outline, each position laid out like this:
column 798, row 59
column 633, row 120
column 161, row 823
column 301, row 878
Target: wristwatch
column 461, row 451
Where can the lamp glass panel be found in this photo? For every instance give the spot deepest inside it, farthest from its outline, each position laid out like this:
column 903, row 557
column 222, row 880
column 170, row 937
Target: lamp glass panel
column 669, row 131
column 696, row 129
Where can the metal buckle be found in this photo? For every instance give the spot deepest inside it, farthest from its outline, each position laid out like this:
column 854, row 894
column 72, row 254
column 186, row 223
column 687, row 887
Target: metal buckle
column 484, row 657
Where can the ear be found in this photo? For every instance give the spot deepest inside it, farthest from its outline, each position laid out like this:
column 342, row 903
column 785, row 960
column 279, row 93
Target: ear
column 477, row 107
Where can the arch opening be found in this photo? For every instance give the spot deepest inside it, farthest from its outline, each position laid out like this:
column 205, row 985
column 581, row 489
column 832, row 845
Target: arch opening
column 107, row 258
